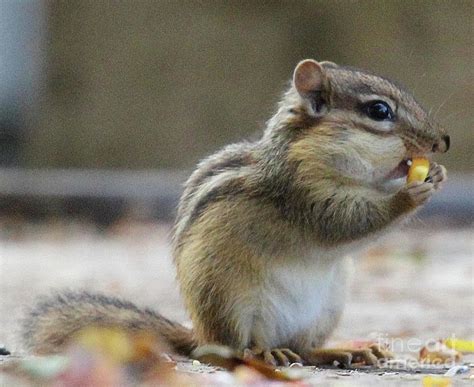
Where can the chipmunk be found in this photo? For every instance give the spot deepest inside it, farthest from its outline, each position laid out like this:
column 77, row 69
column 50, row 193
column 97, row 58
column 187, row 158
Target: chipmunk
column 264, row 228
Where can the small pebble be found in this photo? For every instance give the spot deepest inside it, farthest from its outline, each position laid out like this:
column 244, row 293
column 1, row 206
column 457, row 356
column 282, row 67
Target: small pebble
column 4, row 351
column 196, row 363
column 296, row 365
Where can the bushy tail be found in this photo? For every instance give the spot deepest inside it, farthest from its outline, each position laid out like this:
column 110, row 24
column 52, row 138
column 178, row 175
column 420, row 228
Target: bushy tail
column 55, row 320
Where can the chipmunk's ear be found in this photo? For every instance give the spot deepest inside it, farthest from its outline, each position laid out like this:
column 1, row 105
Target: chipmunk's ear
column 328, row 64
column 309, row 80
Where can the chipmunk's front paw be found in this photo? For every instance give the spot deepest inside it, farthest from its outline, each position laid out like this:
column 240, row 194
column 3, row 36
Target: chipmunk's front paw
column 437, row 175
column 419, row 192
column 276, row 356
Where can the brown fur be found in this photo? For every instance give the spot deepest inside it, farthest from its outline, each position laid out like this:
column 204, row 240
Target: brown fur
column 56, row 319
column 257, row 221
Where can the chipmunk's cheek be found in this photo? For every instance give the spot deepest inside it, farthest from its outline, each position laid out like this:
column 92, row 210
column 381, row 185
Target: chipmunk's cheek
column 387, row 167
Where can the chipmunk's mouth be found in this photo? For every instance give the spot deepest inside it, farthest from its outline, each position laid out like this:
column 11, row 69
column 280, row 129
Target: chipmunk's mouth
column 400, row 171
column 397, row 177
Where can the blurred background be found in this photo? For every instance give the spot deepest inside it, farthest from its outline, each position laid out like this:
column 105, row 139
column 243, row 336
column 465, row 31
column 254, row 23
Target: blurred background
column 106, row 106
column 153, row 86
column 159, row 84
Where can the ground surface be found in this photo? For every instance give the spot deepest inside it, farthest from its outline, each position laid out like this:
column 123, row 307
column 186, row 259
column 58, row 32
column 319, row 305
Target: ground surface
column 412, row 286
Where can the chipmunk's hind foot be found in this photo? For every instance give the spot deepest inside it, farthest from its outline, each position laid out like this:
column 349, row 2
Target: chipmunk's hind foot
column 276, row 356
column 370, row 356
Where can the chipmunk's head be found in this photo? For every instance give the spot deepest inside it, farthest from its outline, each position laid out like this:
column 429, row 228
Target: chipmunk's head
column 362, row 127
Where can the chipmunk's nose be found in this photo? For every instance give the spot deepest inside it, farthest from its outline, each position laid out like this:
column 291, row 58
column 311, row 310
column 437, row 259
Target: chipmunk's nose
column 443, row 145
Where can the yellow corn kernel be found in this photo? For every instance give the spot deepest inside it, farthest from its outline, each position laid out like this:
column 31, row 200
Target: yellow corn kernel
column 435, row 381
column 418, row 170
column 460, row 345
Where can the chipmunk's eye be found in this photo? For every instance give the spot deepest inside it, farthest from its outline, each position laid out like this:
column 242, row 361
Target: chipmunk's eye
column 379, row 111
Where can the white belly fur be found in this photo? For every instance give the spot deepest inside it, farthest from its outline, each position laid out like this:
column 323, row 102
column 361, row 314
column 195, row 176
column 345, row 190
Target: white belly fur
column 302, row 298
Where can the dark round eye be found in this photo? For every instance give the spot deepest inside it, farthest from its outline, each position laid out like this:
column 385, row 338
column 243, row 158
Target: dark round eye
column 379, row 111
